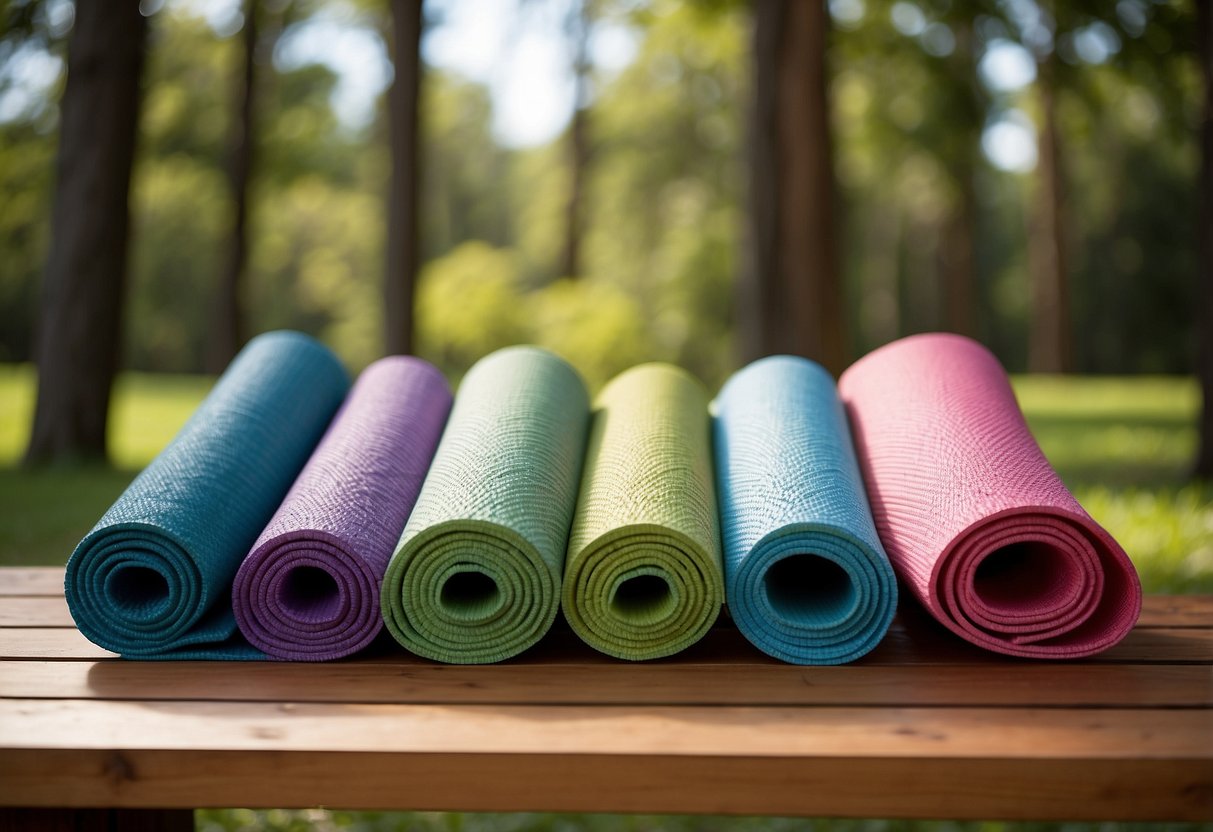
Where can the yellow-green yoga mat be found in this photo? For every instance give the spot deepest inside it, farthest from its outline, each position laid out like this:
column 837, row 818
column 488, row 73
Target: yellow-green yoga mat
column 643, row 578
column 476, row 575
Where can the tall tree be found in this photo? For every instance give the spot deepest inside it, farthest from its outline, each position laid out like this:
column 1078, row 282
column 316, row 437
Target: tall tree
column 226, row 331
column 1049, row 329
column 792, row 296
column 1204, row 236
column 83, row 285
column 578, row 26
column 403, row 137
column 958, row 251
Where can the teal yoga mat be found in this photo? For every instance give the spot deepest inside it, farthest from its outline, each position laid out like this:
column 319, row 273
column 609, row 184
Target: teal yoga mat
column 807, row 579
column 476, row 576
column 153, row 579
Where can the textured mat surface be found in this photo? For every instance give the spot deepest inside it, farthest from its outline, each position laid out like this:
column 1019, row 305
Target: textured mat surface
column 807, row 579
column 153, row 579
column 974, row 519
column 309, row 590
column 643, row 577
column 476, row 576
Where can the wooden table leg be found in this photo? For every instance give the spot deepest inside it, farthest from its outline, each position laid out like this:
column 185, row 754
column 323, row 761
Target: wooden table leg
column 96, row 820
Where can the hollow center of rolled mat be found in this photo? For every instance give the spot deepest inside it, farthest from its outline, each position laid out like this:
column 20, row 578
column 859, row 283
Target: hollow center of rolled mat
column 471, row 595
column 310, row 593
column 809, row 589
column 138, row 590
column 1025, row 575
column 642, row 599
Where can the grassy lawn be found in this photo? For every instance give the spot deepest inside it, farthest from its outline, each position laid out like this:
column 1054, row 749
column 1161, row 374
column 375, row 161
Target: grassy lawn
column 1122, row 444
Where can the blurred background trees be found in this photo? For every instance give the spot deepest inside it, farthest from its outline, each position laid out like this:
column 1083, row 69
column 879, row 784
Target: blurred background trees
column 1023, row 171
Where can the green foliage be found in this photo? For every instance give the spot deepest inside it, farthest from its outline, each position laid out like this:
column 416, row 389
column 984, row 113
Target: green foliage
column 665, row 195
column 472, row 301
column 468, row 303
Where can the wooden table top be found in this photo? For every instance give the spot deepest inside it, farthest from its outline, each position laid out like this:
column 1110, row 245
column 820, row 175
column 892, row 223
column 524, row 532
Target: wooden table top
column 926, row 726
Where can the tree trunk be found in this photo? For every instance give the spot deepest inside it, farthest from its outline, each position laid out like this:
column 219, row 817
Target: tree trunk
column 579, row 149
column 226, row 333
column 1204, row 236
column 958, row 262
column 958, row 253
column 83, row 286
column 1049, row 331
column 402, row 253
column 792, row 300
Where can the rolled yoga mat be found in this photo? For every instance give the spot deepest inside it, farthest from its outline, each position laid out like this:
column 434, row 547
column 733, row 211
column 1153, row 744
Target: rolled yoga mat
column 153, row 579
column 643, row 577
column 975, row 521
column 309, row 590
column 807, row 579
column 476, row 576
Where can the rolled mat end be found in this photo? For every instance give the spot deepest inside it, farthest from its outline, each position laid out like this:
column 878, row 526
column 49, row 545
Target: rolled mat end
column 152, row 580
column 643, row 576
column 309, row 590
column 476, row 573
column 975, row 520
column 808, row 580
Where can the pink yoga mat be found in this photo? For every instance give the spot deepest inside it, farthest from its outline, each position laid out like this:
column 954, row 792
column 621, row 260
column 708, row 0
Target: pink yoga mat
column 975, row 521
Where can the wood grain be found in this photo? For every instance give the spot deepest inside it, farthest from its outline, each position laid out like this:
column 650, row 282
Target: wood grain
column 926, row 726
column 31, row 580
column 1176, row 611
column 724, row 731
column 416, row 681
column 911, row 787
column 18, row 611
column 49, row 643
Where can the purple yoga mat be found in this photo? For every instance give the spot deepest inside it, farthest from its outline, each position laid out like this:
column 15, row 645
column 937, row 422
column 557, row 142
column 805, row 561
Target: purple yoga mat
column 309, row 589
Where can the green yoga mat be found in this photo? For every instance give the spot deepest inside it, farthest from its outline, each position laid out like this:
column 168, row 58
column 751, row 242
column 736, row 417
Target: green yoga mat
column 476, row 575
column 643, row 578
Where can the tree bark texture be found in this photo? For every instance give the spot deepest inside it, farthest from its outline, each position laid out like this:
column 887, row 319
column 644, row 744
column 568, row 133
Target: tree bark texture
column 227, row 331
column 1049, row 330
column 402, row 235
column 83, row 286
column 1204, row 237
column 792, row 301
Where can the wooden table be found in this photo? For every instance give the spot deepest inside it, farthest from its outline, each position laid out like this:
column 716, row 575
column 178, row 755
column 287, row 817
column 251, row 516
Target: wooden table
column 925, row 727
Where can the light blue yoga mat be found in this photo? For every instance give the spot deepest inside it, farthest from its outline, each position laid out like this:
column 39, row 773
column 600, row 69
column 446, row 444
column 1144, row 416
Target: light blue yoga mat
column 806, row 578
column 153, row 579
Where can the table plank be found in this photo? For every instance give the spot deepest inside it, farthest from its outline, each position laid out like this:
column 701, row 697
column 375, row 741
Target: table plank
column 39, row 611
column 926, row 787
column 1176, row 611
column 49, row 643
column 31, row 580
column 725, row 731
column 721, row 728
column 417, row 681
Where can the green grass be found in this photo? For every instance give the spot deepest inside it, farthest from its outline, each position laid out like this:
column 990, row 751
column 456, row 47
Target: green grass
column 1123, row 445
